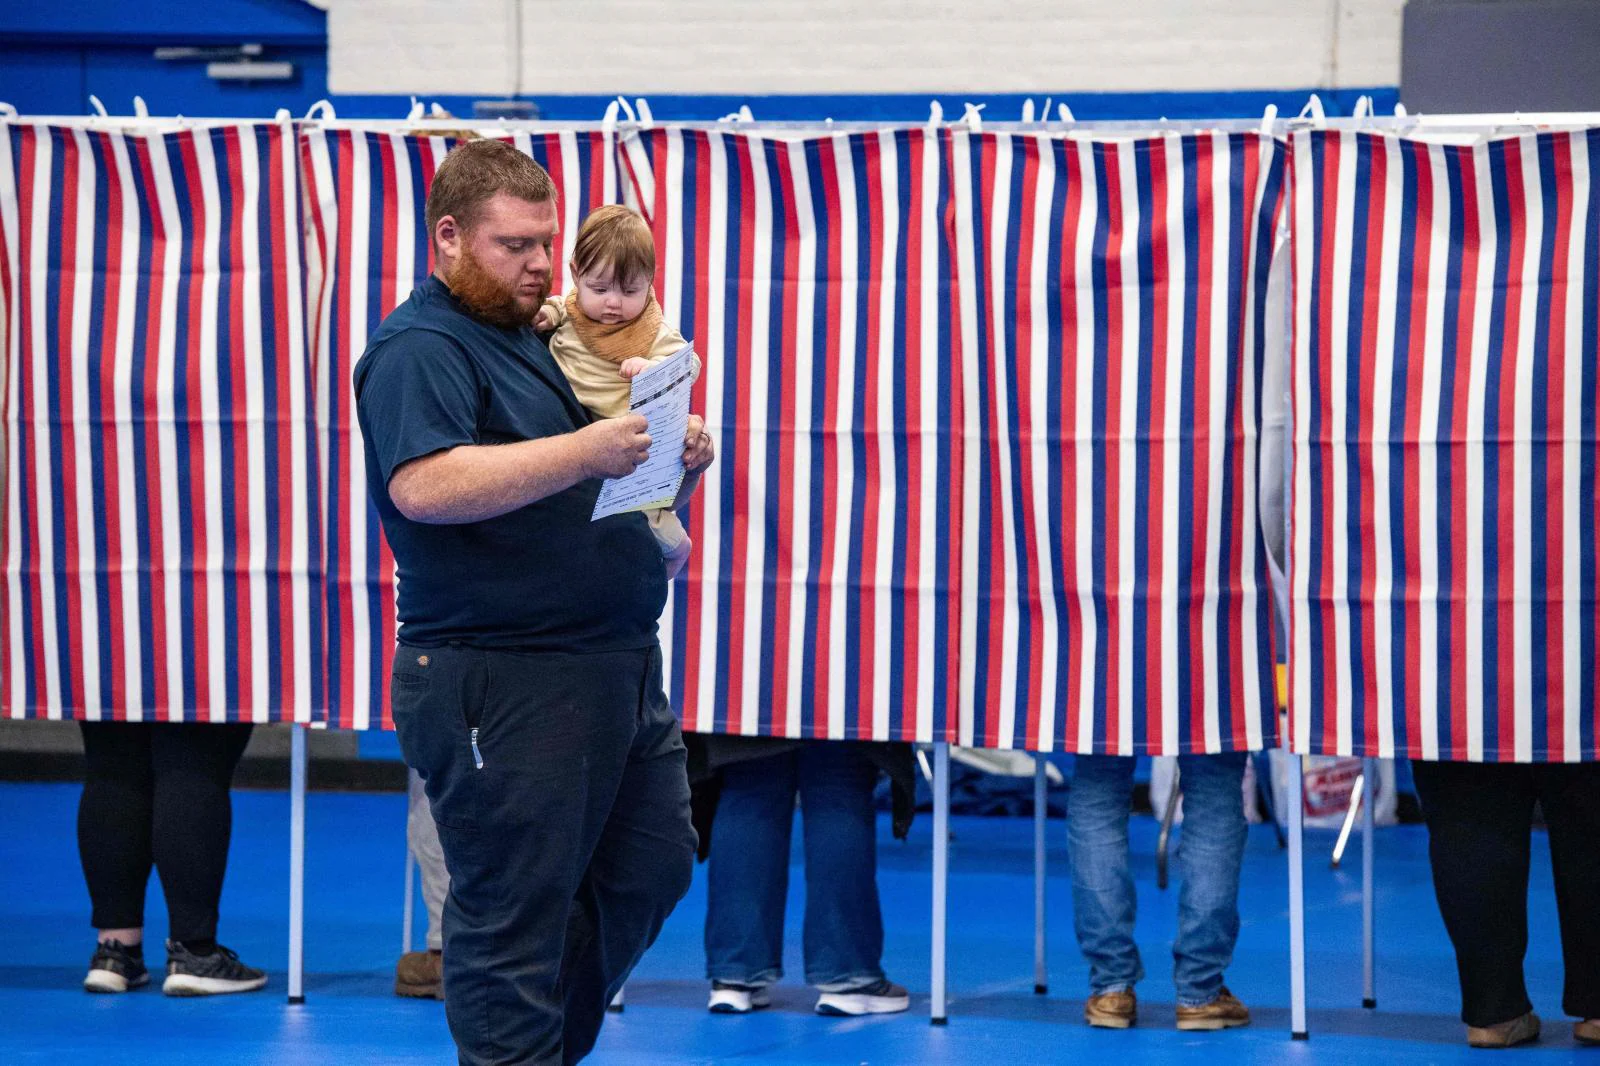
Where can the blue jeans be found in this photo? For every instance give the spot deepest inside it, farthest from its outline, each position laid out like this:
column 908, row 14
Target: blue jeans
column 748, row 881
column 1210, row 851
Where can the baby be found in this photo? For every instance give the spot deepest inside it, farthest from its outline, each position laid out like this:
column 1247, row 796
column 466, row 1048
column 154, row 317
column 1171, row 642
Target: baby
column 609, row 329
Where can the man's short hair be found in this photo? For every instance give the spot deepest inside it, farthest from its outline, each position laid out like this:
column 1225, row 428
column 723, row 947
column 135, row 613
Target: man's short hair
column 474, row 172
column 615, row 238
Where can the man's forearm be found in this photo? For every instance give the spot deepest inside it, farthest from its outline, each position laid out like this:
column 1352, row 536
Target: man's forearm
column 472, row 483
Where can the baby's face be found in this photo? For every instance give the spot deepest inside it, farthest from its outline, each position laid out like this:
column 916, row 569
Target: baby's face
column 605, row 299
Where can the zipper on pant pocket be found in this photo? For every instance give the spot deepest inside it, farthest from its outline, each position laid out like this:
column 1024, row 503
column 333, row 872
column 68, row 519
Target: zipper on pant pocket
column 477, row 756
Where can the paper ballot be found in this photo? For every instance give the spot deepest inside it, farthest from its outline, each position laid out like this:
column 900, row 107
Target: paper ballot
column 661, row 394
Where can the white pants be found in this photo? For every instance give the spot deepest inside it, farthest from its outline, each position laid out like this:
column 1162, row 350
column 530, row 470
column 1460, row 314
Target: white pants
column 423, row 840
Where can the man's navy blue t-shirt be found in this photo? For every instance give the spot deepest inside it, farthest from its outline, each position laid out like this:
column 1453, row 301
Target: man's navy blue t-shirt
column 542, row 578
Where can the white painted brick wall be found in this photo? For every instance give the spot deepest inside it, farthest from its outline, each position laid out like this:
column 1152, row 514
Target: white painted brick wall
column 435, row 46
column 860, row 46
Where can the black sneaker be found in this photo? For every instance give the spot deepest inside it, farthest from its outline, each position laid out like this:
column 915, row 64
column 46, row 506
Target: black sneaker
column 115, row 968
column 880, row 997
column 215, row 974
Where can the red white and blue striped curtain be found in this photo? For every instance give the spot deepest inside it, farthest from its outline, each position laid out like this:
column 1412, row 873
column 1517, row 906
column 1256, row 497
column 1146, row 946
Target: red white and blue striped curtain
column 813, row 275
column 1445, row 513
column 1115, row 572
column 368, row 247
column 161, row 554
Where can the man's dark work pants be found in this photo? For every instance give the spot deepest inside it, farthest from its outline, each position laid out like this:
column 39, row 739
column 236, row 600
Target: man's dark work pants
column 559, row 787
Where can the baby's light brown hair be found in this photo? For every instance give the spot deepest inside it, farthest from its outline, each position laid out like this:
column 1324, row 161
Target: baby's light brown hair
column 617, row 238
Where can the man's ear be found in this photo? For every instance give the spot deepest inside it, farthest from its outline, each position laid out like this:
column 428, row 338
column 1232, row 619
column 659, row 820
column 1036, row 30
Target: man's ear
column 448, row 238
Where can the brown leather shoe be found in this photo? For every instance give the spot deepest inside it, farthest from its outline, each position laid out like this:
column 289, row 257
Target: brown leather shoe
column 1112, row 1010
column 1506, row 1034
column 1587, row 1031
column 420, row 975
column 1224, row 1012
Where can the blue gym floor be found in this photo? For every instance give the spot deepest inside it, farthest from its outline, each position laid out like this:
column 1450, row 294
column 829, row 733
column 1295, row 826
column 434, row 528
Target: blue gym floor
column 354, row 886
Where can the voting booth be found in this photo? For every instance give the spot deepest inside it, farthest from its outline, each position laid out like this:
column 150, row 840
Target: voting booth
column 988, row 402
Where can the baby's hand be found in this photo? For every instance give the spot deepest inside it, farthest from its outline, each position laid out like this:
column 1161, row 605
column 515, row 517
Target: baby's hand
column 632, row 368
column 544, row 321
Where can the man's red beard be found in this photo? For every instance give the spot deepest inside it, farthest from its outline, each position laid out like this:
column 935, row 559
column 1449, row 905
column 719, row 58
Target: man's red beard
column 490, row 299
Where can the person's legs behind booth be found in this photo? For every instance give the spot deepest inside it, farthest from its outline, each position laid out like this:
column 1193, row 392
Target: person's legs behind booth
column 1480, row 822
column 420, row 974
column 844, row 919
column 1210, row 854
column 1104, row 903
column 158, row 794
column 747, row 882
column 1570, row 796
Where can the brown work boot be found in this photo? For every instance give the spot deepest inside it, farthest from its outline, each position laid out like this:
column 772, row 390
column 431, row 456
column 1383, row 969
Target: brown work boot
column 1506, row 1034
column 1224, row 1012
column 420, row 975
column 1587, row 1031
column 1112, row 1010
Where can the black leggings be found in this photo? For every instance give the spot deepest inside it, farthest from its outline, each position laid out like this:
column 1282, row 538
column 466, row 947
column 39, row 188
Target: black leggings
column 157, row 793
column 1480, row 818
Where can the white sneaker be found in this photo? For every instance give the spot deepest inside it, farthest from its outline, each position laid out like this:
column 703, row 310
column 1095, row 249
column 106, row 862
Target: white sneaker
column 880, row 997
column 737, row 999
